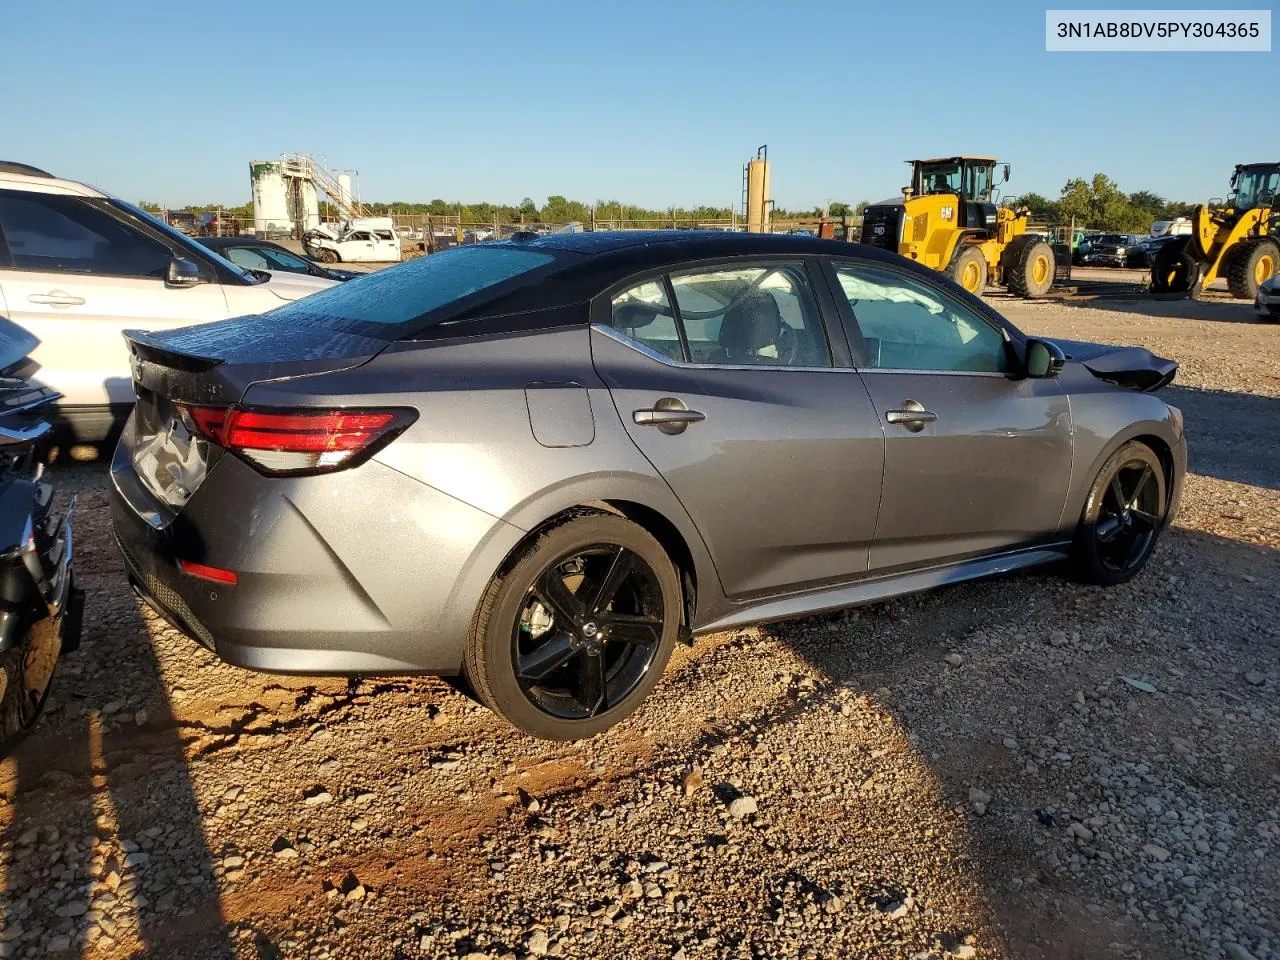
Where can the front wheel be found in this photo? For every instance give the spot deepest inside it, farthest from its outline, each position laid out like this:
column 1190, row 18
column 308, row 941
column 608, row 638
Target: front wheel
column 26, row 672
column 1123, row 516
column 325, row 255
column 573, row 636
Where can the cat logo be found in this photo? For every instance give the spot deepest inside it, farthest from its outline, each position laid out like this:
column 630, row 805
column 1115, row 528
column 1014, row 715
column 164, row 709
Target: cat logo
column 948, row 213
column 879, row 231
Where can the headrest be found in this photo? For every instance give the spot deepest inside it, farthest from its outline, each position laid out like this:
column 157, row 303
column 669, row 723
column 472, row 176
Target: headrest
column 634, row 315
column 750, row 324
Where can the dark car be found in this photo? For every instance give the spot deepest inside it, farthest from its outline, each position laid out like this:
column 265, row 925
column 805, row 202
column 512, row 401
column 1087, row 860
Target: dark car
column 254, row 254
column 539, row 464
column 1110, row 249
column 1143, row 254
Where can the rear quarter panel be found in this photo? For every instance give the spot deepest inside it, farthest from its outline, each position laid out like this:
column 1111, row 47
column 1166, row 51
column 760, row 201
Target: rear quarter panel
column 475, row 441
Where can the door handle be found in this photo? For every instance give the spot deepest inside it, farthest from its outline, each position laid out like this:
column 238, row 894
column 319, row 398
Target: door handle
column 669, row 415
column 56, row 298
column 912, row 415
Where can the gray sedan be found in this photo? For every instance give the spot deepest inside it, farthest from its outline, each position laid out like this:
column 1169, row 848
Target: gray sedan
column 539, row 464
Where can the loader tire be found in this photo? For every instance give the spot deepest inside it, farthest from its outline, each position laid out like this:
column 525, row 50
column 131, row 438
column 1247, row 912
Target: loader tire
column 969, row 269
column 1176, row 269
column 1029, row 266
column 1253, row 262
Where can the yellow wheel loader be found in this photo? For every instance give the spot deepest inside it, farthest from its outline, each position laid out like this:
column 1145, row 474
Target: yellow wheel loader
column 1234, row 240
column 948, row 220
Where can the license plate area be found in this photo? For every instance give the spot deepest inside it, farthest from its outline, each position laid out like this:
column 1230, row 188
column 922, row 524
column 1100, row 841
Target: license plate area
column 168, row 458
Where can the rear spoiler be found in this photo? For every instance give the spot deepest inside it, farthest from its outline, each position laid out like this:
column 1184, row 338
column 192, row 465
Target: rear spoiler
column 145, row 347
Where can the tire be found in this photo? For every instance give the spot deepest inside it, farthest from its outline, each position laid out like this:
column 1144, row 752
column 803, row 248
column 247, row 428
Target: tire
column 537, row 652
column 1028, row 267
column 1176, row 269
column 969, row 268
column 27, row 674
column 1253, row 262
column 325, row 255
column 1118, row 530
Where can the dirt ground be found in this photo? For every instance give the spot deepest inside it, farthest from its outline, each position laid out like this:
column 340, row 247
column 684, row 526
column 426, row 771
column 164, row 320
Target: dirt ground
column 1021, row 768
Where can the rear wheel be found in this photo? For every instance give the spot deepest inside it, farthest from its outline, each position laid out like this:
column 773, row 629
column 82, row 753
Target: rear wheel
column 573, row 636
column 1028, row 265
column 1253, row 263
column 969, row 269
column 1176, row 269
column 1123, row 516
column 26, row 672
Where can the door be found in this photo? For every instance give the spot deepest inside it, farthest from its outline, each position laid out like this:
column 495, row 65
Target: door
column 357, row 247
column 724, row 379
column 977, row 460
column 76, row 277
column 386, row 246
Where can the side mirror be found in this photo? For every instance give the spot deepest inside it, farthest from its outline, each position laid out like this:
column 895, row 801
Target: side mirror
column 183, row 273
column 1044, row 359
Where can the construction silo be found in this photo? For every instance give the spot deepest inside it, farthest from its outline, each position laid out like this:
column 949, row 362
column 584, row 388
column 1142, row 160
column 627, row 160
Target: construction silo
column 759, row 206
column 270, row 198
column 344, row 190
column 310, row 205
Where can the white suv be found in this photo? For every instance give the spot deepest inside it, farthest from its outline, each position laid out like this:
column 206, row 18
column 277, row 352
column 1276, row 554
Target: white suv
column 78, row 267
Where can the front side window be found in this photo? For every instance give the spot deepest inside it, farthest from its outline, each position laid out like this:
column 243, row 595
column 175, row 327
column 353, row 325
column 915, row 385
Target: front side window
column 760, row 315
column 62, row 234
column 247, row 257
column 281, row 260
column 906, row 324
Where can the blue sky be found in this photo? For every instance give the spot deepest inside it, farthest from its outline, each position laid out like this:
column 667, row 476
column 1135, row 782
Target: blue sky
column 656, row 102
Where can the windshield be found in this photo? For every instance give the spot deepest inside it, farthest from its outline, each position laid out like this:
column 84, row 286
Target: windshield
column 1257, row 188
column 396, row 296
column 941, row 177
column 1112, row 238
column 182, row 239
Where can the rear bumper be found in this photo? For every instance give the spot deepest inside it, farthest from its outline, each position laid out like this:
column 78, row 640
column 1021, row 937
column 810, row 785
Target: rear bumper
column 359, row 572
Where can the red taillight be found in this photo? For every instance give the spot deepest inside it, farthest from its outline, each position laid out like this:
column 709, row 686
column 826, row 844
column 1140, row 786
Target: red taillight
column 215, row 574
column 293, row 442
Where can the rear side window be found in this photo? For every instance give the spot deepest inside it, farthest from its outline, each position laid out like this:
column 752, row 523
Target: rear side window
column 63, row 234
column 748, row 315
column 393, row 297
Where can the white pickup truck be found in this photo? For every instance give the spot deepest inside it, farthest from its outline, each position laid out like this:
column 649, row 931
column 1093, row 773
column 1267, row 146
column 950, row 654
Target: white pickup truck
column 363, row 240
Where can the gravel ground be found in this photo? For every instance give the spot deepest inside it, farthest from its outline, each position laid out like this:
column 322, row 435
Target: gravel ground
column 1022, row 768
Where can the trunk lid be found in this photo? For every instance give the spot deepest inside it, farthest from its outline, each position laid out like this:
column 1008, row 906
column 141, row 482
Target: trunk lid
column 213, row 365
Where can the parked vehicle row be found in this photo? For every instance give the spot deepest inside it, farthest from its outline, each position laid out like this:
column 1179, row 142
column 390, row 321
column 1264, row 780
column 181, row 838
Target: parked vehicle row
column 78, row 267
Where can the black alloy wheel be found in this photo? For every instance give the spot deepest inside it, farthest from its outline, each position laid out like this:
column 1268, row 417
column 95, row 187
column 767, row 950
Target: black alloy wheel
column 1130, row 516
column 588, row 631
column 576, row 633
column 1123, row 516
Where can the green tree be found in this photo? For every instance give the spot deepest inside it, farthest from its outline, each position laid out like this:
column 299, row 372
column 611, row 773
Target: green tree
column 1041, row 207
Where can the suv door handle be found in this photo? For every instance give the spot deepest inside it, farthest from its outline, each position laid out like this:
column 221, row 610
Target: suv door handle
column 669, row 415
column 912, row 415
column 56, row 298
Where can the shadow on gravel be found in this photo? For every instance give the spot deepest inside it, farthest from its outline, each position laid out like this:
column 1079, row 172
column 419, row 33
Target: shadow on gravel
column 105, row 847
column 1215, row 309
column 957, row 713
column 1230, row 436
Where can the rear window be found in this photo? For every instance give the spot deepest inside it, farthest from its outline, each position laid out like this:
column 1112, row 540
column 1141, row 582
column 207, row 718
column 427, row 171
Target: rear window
column 385, row 303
